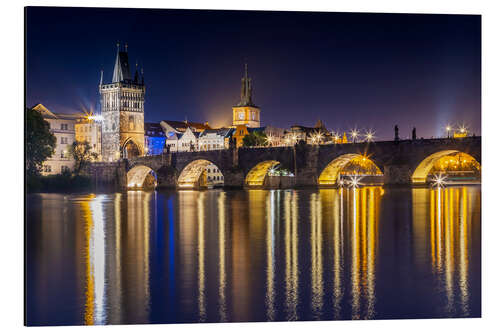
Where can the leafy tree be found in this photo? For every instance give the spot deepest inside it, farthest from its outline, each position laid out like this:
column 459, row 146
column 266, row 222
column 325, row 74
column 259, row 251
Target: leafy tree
column 40, row 142
column 255, row 138
column 82, row 154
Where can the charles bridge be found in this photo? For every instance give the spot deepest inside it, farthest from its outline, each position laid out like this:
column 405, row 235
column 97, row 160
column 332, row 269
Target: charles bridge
column 403, row 162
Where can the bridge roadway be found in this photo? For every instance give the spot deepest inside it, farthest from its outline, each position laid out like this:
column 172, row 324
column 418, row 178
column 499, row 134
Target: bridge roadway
column 404, row 162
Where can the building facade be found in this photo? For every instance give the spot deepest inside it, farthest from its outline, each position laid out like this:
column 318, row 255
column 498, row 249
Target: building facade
column 88, row 129
column 246, row 112
column 214, row 139
column 154, row 139
column 63, row 127
column 122, row 104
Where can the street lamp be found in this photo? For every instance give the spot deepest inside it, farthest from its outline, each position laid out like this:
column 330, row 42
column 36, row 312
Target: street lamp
column 448, row 129
column 354, row 135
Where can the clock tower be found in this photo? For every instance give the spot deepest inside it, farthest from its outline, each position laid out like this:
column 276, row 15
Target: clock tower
column 246, row 112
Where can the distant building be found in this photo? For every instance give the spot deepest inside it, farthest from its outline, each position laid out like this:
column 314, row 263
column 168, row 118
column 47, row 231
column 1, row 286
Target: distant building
column 299, row 133
column 63, row 127
column 88, row 129
column 122, row 104
column 246, row 112
column 214, row 139
column 154, row 139
column 173, row 126
column 239, row 133
column 214, row 176
column 172, row 142
column 275, row 135
column 188, row 141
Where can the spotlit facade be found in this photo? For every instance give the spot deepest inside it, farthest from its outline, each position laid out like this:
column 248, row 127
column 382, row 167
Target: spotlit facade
column 122, row 103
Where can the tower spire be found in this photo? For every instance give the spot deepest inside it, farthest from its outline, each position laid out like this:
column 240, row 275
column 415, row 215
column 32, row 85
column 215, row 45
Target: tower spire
column 121, row 71
column 246, row 89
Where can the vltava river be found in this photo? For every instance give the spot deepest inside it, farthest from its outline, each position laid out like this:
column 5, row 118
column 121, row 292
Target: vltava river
column 256, row 255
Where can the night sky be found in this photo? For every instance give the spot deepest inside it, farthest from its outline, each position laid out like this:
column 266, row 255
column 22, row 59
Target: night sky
column 349, row 70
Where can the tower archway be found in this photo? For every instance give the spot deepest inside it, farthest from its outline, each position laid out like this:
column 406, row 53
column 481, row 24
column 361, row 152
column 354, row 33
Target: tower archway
column 130, row 149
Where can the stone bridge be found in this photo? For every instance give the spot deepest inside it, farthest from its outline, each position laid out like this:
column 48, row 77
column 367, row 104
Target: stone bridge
column 402, row 162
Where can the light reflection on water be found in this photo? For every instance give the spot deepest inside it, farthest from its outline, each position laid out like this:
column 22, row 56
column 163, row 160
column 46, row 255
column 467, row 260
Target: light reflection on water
column 191, row 256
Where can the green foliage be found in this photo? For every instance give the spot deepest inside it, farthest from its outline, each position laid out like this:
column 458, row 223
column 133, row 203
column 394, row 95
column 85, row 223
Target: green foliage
column 62, row 182
column 81, row 152
column 40, row 142
column 255, row 138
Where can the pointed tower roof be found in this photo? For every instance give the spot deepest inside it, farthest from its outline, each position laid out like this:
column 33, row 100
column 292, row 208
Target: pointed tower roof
column 246, row 90
column 122, row 69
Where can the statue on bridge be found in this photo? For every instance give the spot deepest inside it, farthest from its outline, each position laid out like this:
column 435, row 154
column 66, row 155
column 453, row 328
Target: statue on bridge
column 396, row 133
column 414, row 133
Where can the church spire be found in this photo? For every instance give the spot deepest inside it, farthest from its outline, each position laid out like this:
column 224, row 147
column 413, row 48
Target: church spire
column 246, row 89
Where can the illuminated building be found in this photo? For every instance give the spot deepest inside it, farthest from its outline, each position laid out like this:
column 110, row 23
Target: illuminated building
column 154, row 138
column 63, row 127
column 299, row 133
column 88, row 129
column 173, row 126
column 246, row 112
column 122, row 103
column 215, row 139
column 188, row 141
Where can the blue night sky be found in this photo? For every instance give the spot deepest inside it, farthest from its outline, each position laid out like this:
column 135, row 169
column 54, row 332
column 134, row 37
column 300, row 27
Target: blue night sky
column 349, row 70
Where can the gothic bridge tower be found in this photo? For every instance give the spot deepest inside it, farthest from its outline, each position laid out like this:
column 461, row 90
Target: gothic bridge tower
column 122, row 103
column 246, row 112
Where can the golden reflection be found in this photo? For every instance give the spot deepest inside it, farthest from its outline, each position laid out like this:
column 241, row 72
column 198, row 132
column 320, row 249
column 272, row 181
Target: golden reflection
column 201, row 257
column 137, row 272
column 316, row 256
column 452, row 162
column 363, row 223
column 221, row 201
column 450, row 237
column 291, row 253
column 338, row 242
column 270, row 238
column 95, row 304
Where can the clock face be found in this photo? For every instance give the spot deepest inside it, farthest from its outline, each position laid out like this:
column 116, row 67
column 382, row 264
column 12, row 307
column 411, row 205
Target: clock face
column 241, row 115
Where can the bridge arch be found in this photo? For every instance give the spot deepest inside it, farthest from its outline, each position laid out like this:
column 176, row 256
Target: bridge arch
column 257, row 175
column 423, row 168
column 200, row 173
column 141, row 176
column 351, row 163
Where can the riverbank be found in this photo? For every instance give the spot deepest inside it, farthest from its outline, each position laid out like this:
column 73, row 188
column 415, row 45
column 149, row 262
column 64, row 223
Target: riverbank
column 58, row 183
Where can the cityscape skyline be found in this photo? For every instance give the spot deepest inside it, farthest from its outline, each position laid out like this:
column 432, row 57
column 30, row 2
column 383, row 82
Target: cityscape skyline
column 421, row 70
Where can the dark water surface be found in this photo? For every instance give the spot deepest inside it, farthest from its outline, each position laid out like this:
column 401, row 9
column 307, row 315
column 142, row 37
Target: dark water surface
column 256, row 255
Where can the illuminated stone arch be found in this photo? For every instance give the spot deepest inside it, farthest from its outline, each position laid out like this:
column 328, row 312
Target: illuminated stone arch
column 141, row 176
column 422, row 170
column 257, row 175
column 131, row 149
column 331, row 172
column 193, row 175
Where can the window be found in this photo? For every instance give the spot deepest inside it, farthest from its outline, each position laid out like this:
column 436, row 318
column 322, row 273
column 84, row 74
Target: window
column 47, row 168
column 64, row 127
column 64, row 140
column 64, row 168
column 130, row 122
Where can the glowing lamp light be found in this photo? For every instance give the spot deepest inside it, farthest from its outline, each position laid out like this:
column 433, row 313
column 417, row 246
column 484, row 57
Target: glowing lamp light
column 439, row 180
column 97, row 118
column 354, row 181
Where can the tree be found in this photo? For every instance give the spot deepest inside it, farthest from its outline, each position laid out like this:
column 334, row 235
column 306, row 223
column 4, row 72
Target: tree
column 40, row 142
column 82, row 154
column 255, row 138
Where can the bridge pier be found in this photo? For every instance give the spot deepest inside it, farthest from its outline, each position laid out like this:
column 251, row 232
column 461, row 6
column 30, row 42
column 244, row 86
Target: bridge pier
column 397, row 174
